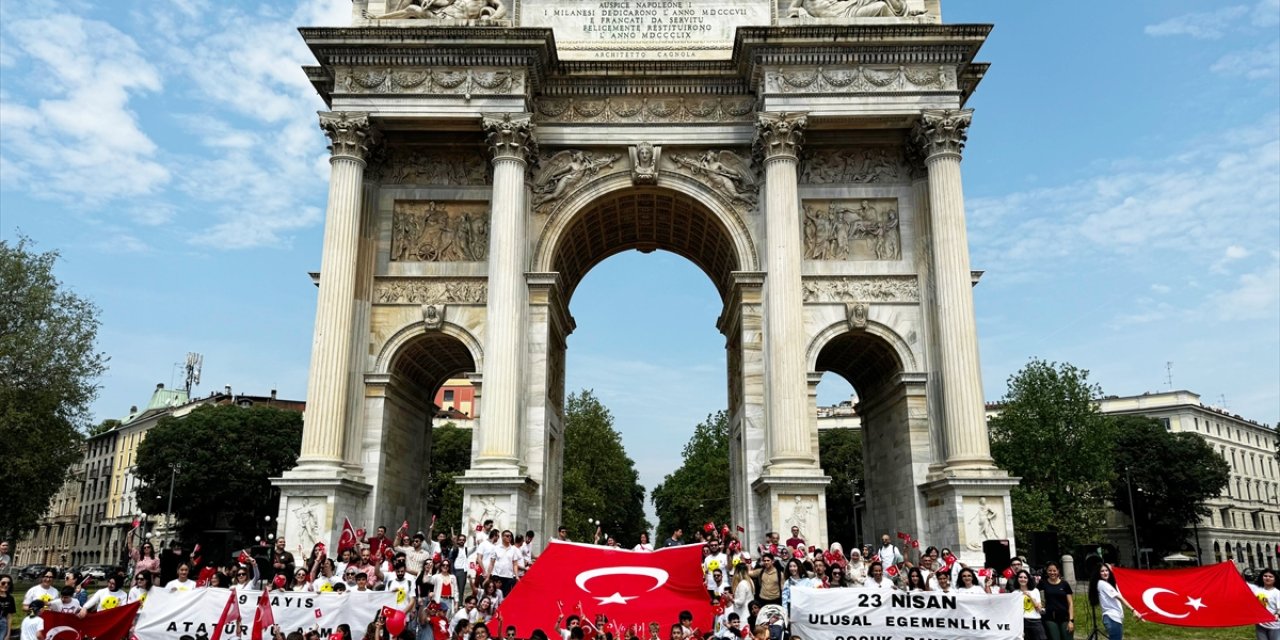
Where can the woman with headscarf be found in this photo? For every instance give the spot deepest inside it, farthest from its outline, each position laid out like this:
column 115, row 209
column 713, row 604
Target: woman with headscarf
column 855, row 572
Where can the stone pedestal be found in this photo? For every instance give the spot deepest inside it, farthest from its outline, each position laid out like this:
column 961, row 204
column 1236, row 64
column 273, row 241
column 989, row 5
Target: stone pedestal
column 969, row 510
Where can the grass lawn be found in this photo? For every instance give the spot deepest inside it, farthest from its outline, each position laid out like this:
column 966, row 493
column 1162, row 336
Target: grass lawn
column 1134, row 628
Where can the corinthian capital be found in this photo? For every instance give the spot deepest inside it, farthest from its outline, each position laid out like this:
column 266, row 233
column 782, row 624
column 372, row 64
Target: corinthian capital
column 942, row 131
column 780, row 134
column 350, row 133
column 510, row 135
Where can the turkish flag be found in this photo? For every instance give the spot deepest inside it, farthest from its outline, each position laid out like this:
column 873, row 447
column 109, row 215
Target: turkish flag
column 394, row 619
column 263, row 617
column 348, row 538
column 631, row 587
column 1212, row 596
column 230, row 614
column 108, row 624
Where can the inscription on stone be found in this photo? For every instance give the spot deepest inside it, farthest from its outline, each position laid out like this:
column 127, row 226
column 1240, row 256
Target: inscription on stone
column 644, row 28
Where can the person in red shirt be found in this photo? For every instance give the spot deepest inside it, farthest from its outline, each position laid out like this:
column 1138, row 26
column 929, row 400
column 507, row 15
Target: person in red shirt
column 795, row 541
column 438, row 620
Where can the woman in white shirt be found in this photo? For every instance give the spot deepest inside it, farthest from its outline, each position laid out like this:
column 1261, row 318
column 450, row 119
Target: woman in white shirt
column 744, row 590
column 1109, row 600
column 968, row 582
column 141, row 585
column 43, row 591
column 644, row 543
column 1032, row 607
column 876, row 578
column 108, row 597
column 855, row 572
column 182, row 582
column 1269, row 596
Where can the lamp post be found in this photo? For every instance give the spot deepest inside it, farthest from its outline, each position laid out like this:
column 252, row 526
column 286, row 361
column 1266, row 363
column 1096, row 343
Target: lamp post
column 1133, row 519
column 857, row 530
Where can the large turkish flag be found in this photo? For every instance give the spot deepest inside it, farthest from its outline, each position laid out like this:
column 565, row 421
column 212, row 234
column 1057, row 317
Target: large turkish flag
column 631, row 587
column 1212, row 596
column 107, row 624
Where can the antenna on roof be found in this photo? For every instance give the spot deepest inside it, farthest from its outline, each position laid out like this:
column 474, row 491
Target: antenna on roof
column 1168, row 374
column 195, row 362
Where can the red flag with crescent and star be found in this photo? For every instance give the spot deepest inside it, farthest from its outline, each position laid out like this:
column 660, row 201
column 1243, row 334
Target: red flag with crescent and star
column 631, row 587
column 1212, row 596
column 348, row 538
column 107, row 624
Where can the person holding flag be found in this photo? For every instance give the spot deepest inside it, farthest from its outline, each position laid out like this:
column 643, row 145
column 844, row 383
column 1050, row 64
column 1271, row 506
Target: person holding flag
column 108, row 597
column 1109, row 600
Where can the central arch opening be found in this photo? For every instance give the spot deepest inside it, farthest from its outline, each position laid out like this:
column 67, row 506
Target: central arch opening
column 669, row 372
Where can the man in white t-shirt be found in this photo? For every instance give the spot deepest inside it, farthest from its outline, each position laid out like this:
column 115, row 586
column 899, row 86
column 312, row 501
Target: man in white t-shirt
column 33, row 624
column 402, row 585
column 505, row 562
column 468, row 612
column 716, row 559
column 888, row 553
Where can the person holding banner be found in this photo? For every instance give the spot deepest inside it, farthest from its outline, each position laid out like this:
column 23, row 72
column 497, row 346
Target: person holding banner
column 796, row 577
column 141, row 585
column 876, row 579
column 108, row 597
column 968, row 582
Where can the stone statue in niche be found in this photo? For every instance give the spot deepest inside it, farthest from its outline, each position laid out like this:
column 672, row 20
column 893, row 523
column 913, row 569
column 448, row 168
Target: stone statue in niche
column 984, row 522
column 644, row 163
column 858, row 313
column 445, row 10
column 723, row 171
column 438, row 232
column 853, row 166
column 564, row 170
column 841, row 230
column 855, row 9
column 433, row 316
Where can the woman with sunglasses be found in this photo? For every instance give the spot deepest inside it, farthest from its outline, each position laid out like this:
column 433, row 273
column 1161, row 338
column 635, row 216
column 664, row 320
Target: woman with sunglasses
column 43, row 591
column 144, row 559
column 141, row 585
column 8, row 606
column 243, row 579
column 968, row 582
column 108, row 597
column 837, row 579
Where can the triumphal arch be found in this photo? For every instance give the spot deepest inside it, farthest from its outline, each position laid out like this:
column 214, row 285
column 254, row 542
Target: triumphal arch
column 805, row 154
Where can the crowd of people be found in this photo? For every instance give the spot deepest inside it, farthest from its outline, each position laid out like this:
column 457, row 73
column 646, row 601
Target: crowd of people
column 450, row 587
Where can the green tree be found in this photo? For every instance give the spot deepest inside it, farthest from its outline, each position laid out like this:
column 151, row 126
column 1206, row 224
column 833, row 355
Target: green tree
column 841, row 454
column 226, row 456
column 1050, row 433
column 1172, row 475
column 450, row 457
column 103, row 427
column 698, row 490
column 49, row 366
column 600, row 480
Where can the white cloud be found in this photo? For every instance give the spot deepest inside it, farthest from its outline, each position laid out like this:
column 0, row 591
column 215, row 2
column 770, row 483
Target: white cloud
column 123, row 243
column 1254, row 296
column 1161, row 288
column 1258, row 63
column 1266, row 14
column 1200, row 24
column 78, row 132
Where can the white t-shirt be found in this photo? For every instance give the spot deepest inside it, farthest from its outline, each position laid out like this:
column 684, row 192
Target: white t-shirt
column 31, row 627
column 103, row 600
column 890, row 555
column 722, row 563
column 70, row 606
column 1270, row 598
column 180, row 585
column 482, row 553
column 1109, row 601
column 1030, row 599
column 463, row 561
column 136, row 594
column 504, row 561
column 462, row 614
column 406, row 587
column 48, row 594
column 643, row 546
column 886, row 583
column 974, row 589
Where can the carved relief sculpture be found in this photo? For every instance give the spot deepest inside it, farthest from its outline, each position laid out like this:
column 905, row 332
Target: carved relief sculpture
column 842, row 230
column 509, row 136
column 862, row 289
column 439, row 232
column 413, row 165
column 443, row 81
column 644, row 163
column 858, row 314
column 444, row 10
column 983, row 522
column 433, row 316
column 862, row 79
column 418, row 291
column 557, row 174
column 864, row 165
column 651, row 109
column 855, row 9
column 726, row 172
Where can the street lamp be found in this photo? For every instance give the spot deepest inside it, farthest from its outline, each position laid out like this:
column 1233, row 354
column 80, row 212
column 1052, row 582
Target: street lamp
column 857, row 530
column 1133, row 519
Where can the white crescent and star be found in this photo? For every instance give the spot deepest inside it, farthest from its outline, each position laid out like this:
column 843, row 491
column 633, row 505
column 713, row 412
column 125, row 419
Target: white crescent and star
column 57, row 630
column 1149, row 599
column 659, row 576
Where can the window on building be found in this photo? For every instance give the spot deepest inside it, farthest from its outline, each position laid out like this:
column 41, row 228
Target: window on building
column 448, row 395
column 1257, row 521
column 1168, row 426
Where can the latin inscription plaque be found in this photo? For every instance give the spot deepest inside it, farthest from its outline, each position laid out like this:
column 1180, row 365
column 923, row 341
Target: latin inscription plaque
column 644, row 29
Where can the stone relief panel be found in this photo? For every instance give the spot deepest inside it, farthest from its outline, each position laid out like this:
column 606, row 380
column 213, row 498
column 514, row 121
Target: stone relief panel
column 862, row 79
column 640, row 110
column 852, row 230
column 303, row 524
column 447, row 10
column 452, row 167
column 558, row 173
column 983, row 520
column 420, row 291
column 490, row 507
column 859, row 165
column 852, row 8
column 439, row 231
column 802, row 512
column 726, row 172
column 644, row 162
column 436, row 81
column 862, row 289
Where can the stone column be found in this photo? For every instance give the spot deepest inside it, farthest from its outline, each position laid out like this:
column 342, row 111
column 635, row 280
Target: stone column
column 778, row 144
column 940, row 136
column 328, row 385
column 510, row 139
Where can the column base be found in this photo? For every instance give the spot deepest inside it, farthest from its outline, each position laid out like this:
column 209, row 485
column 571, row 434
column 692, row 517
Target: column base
column 800, row 500
column 505, row 499
column 313, row 503
column 965, row 508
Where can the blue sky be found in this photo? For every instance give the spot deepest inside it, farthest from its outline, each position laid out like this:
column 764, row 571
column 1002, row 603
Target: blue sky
column 1122, row 176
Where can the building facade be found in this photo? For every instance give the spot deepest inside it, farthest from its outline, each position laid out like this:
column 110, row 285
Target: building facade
column 52, row 542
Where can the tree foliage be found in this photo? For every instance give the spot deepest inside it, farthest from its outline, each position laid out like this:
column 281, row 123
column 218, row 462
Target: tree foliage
column 48, row 371
column 226, row 457
column 698, row 490
column 450, row 458
column 841, row 454
column 1050, row 433
column 600, row 480
column 1172, row 475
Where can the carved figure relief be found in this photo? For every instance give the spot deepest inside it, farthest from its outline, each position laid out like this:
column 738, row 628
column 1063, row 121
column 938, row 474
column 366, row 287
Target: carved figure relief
column 416, row 165
column 858, row 313
column 418, row 291
column 655, row 109
column 644, row 163
column 489, row 507
column 862, row 289
column 444, row 10
column 848, row 230
column 982, row 521
column 443, row 81
column 862, row 79
column 864, row 165
column 855, row 8
column 439, row 232
column 726, row 172
column 433, row 316
column 557, row 174
column 800, row 511
column 304, row 519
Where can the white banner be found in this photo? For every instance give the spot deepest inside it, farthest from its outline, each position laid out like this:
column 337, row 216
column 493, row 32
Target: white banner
column 873, row 614
column 186, row 615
